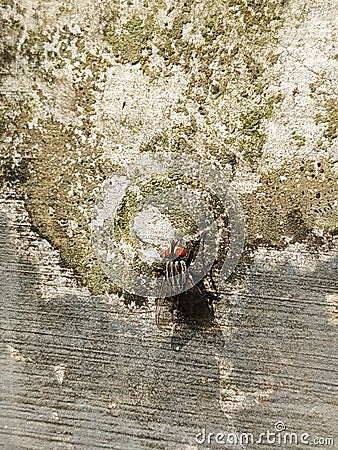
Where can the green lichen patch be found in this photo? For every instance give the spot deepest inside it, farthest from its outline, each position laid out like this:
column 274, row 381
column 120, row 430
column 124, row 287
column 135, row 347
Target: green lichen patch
column 222, row 50
column 291, row 202
column 228, row 68
column 59, row 192
column 11, row 29
column 129, row 43
column 329, row 117
column 156, row 188
column 54, row 151
column 15, row 158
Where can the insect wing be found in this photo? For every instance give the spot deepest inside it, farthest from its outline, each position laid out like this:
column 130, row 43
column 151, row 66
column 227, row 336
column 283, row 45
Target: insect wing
column 194, row 305
column 165, row 307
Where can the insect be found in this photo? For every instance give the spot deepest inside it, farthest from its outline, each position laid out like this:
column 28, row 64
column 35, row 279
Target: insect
column 181, row 298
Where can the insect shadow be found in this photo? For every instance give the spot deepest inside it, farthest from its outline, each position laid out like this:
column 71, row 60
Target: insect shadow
column 185, row 306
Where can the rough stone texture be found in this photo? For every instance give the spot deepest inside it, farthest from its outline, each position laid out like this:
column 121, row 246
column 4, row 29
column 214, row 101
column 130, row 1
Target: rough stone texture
column 86, row 88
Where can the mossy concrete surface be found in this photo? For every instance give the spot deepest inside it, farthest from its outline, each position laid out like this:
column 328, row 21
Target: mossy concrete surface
column 88, row 86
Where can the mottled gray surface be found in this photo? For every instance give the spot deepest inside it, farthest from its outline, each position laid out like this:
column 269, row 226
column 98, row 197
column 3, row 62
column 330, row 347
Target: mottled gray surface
column 89, row 88
column 85, row 373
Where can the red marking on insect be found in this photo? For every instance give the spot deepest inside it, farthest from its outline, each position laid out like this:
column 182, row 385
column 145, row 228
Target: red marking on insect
column 180, row 252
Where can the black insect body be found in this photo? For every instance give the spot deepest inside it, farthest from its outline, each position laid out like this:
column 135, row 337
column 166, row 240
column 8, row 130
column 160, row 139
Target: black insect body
column 182, row 299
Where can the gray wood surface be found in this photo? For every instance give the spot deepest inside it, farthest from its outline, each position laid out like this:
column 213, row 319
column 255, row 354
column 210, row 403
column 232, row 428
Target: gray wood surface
column 81, row 372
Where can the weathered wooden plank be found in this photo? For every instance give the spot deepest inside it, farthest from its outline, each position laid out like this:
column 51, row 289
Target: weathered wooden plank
column 80, row 372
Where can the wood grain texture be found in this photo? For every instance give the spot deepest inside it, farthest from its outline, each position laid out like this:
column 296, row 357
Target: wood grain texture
column 81, row 372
